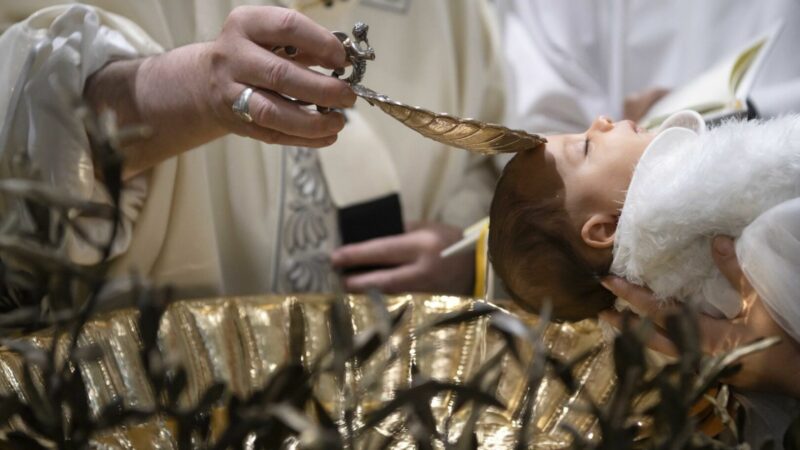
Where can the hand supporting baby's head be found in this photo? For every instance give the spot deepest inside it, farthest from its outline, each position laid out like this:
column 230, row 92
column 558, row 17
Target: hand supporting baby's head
column 554, row 214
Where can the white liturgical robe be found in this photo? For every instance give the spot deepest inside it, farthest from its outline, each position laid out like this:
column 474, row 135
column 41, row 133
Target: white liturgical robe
column 568, row 62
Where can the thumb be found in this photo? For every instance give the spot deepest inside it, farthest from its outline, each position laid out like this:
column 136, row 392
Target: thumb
column 724, row 253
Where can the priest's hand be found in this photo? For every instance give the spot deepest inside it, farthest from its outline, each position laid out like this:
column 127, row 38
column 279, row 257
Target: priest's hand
column 412, row 260
column 186, row 95
column 774, row 369
column 240, row 58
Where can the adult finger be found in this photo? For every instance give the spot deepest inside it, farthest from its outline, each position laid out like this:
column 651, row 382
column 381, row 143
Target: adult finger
column 414, row 225
column 392, row 250
column 275, row 112
column 300, row 57
column 276, row 137
column 717, row 334
column 723, row 251
column 637, row 104
column 386, row 280
column 657, row 340
column 262, row 68
column 641, row 299
column 271, row 26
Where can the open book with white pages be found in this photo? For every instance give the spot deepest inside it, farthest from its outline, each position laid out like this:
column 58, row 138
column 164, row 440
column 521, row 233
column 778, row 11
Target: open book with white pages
column 721, row 91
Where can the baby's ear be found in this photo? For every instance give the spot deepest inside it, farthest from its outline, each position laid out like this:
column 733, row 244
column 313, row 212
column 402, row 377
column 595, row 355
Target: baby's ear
column 599, row 230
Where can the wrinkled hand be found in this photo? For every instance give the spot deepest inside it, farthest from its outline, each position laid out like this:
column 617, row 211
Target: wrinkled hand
column 241, row 56
column 637, row 104
column 185, row 96
column 415, row 264
column 774, row 369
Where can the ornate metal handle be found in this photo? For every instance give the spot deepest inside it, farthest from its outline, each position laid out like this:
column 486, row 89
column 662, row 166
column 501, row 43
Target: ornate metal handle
column 358, row 52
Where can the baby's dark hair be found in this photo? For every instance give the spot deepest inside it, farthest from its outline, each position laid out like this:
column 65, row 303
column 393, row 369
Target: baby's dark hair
column 534, row 246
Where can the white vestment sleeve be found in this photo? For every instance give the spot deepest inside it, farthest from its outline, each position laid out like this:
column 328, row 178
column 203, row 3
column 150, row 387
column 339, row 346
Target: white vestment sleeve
column 769, row 253
column 56, row 50
column 553, row 90
column 774, row 101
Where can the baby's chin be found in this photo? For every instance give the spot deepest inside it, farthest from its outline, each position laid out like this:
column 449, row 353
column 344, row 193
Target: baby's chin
column 647, row 138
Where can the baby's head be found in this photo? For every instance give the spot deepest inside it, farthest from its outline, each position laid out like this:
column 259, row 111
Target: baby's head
column 554, row 216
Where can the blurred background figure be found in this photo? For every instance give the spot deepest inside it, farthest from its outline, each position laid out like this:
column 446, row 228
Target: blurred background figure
column 569, row 62
column 243, row 215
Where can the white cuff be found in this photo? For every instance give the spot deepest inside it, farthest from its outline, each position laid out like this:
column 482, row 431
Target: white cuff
column 52, row 54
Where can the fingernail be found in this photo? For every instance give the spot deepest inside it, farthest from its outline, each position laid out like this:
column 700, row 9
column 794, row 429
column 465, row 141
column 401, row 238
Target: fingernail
column 609, row 282
column 338, row 122
column 335, row 258
column 723, row 246
column 348, row 98
column 609, row 318
column 331, row 140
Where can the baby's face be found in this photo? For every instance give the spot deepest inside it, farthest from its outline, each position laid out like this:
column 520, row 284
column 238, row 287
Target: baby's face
column 596, row 166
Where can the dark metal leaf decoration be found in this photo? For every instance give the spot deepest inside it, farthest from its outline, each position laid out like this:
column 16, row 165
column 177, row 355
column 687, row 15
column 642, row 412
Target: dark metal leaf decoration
column 176, row 382
column 563, row 369
column 510, row 329
column 22, row 441
column 211, row 396
column 792, row 437
column 426, row 391
column 9, row 404
column 297, row 330
column 53, row 198
column 468, row 134
column 478, row 380
column 476, row 311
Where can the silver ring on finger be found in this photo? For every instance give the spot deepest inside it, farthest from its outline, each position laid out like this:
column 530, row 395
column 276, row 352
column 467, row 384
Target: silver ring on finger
column 241, row 107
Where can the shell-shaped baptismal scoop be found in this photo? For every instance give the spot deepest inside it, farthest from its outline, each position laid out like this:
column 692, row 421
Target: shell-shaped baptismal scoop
column 468, row 134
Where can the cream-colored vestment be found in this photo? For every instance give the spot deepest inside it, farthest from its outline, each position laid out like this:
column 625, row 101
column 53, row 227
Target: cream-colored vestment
column 237, row 216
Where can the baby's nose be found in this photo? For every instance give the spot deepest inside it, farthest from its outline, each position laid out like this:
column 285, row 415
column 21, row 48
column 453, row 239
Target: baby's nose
column 602, row 123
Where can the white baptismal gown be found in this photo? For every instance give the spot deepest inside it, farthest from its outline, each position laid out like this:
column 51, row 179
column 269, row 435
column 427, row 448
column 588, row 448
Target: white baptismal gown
column 741, row 179
column 692, row 184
